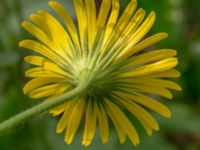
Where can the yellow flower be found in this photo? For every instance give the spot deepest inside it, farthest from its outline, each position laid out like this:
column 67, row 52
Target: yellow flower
column 107, row 51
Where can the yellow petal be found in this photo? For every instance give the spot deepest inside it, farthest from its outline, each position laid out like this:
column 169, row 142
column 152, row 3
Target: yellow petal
column 42, row 24
column 37, row 72
column 35, row 60
column 152, row 90
column 125, row 124
column 120, row 26
column 40, row 72
column 112, row 20
column 58, row 109
column 103, row 13
column 147, row 128
column 44, row 91
column 152, row 56
column 146, row 119
column 156, row 67
column 91, row 20
column 42, row 49
column 140, row 32
column 155, row 82
column 135, row 22
column 172, row 73
column 118, row 126
column 62, row 12
column 102, row 122
column 74, row 120
column 47, row 90
column 42, row 35
column 37, row 32
column 82, row 22
column 64, row 120
column 58, row 34
column 90, row 124
column 45, row 64
column 49, row 66
column 142, row 45
column 148, row 102
column 125, row 31
column 38, row 82
column 126, row 15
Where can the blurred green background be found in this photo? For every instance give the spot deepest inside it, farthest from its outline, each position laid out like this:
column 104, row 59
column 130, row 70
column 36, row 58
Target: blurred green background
column 179, row 18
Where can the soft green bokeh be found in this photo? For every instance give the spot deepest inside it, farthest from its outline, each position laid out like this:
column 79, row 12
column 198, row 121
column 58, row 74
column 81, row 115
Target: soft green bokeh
column 179, row 18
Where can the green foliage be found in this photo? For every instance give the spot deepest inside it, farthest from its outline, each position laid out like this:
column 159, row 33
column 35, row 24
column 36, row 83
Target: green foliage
column 179, row 18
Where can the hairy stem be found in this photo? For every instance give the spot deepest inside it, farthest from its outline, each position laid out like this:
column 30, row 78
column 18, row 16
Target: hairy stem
column 22, row 117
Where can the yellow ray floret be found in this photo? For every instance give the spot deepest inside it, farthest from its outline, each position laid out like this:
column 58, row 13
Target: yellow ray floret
column 90, row 124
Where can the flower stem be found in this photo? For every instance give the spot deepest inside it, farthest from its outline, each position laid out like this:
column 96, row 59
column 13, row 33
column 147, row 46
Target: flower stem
column 13, row 122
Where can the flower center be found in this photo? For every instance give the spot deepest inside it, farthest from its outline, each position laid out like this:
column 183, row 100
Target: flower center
column 97, row 85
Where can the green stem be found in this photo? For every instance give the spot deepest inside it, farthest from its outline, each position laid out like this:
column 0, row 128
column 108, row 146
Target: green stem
column 13, row 122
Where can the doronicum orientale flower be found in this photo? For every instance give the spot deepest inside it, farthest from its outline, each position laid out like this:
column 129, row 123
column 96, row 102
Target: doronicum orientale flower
column 107, row 51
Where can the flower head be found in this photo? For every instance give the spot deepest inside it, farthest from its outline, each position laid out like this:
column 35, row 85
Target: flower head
column 107, row 51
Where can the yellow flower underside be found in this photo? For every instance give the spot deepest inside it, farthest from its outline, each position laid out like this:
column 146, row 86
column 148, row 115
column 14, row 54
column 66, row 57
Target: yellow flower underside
column 110, row 48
